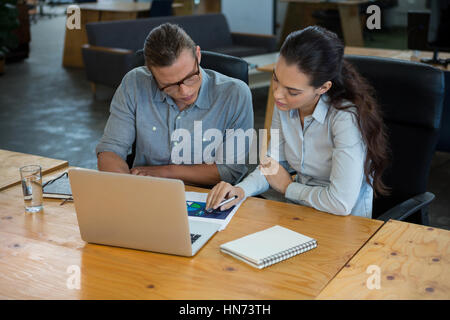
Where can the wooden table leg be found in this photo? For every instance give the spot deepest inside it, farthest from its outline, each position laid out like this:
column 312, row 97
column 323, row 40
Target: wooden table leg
column 93, row 89
column 296, row 14
column 183, row 7
column 351, row 25
column 74, row 39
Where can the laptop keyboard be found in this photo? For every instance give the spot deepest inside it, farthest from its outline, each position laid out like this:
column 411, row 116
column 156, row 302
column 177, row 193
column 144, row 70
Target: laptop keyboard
column 194, row 237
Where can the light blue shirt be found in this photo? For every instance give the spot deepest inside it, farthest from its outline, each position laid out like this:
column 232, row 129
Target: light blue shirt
column 328, row 154
column 142, row 112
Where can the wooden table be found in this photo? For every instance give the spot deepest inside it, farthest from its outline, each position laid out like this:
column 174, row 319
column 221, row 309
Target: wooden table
column 299, row 15
column 413, row 262
column 37, row 250
column 94, row 12
column 10, row 162
column 383, row 53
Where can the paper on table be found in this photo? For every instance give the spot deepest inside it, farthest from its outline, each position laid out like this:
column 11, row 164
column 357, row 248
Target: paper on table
column 58, row 188
column 221, row 219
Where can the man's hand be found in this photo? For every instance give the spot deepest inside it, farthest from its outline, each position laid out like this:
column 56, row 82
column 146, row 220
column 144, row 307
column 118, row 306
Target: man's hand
column 277, row 176
column 154, row 171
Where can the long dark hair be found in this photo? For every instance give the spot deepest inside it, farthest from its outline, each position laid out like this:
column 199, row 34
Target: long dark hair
column 319, row 54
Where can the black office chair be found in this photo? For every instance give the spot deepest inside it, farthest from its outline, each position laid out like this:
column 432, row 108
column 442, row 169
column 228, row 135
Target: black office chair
column 230, row 66
column 161, row 8
column 411, row 98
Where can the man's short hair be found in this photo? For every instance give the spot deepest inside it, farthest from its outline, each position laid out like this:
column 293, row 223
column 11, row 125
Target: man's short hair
column 164, row 45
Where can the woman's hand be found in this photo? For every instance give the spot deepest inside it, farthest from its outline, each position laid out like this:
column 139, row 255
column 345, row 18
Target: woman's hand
column 221, row 191
column 277, row 176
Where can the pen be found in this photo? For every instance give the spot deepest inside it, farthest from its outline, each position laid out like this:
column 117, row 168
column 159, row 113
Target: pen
column 65, row 200
column 222, row 203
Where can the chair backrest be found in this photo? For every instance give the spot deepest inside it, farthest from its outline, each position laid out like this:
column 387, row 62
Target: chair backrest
column 411, row 96
column 209, row 31
column 161, row 8
column 230, row 66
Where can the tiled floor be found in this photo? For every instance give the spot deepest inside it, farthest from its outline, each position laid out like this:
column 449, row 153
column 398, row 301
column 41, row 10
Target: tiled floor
column 48, row 110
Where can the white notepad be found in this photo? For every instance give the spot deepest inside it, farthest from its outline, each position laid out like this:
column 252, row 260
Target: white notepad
column 264, row 248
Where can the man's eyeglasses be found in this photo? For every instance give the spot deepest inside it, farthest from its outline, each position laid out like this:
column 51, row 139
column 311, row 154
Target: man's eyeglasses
column 189, row 80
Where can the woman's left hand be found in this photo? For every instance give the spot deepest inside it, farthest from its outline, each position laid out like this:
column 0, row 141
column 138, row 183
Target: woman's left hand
column 277, row 176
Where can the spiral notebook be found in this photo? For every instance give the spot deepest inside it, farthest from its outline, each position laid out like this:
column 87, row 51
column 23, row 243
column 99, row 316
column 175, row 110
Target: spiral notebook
column 264, row 248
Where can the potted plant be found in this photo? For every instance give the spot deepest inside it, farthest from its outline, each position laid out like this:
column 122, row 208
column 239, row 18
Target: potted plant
column 8, row 22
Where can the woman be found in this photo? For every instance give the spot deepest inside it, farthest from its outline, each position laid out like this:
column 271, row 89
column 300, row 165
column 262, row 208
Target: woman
column 330, row 132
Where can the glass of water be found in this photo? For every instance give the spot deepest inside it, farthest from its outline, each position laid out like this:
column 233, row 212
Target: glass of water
column 31, row 177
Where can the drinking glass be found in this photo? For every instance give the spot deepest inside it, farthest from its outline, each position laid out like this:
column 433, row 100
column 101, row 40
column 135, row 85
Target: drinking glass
column 31, row 177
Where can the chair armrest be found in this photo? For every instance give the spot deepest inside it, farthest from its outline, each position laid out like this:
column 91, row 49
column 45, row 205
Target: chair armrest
column 255, row 40
column 107, row 49
column 407, row 207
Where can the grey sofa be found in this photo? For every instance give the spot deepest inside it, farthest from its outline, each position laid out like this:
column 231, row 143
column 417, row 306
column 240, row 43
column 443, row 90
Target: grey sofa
column 112, row 46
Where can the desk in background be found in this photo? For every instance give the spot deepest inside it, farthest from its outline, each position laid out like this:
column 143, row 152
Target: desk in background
column 37, row 250
column 299, row 15
column 189, row 7
column 10, row 162
column 109, row 11
column 94, row 12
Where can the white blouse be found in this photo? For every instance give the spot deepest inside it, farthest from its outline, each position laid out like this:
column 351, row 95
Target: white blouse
column 328, row 154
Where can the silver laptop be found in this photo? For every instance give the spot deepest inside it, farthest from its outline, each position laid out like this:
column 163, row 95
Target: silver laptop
column 137, row 212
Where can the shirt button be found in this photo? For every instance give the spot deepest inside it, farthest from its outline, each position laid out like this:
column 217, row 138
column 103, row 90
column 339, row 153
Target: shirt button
column 179, row 117
column 154, row 128
column 175, row 143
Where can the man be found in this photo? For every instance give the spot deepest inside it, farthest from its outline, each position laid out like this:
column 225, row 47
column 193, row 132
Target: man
column 171, row 94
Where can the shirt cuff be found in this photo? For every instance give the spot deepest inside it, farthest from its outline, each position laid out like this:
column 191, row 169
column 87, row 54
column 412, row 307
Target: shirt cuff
column 102, row 147
column 254, row 184
column 244, row 185
column 231, row 173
